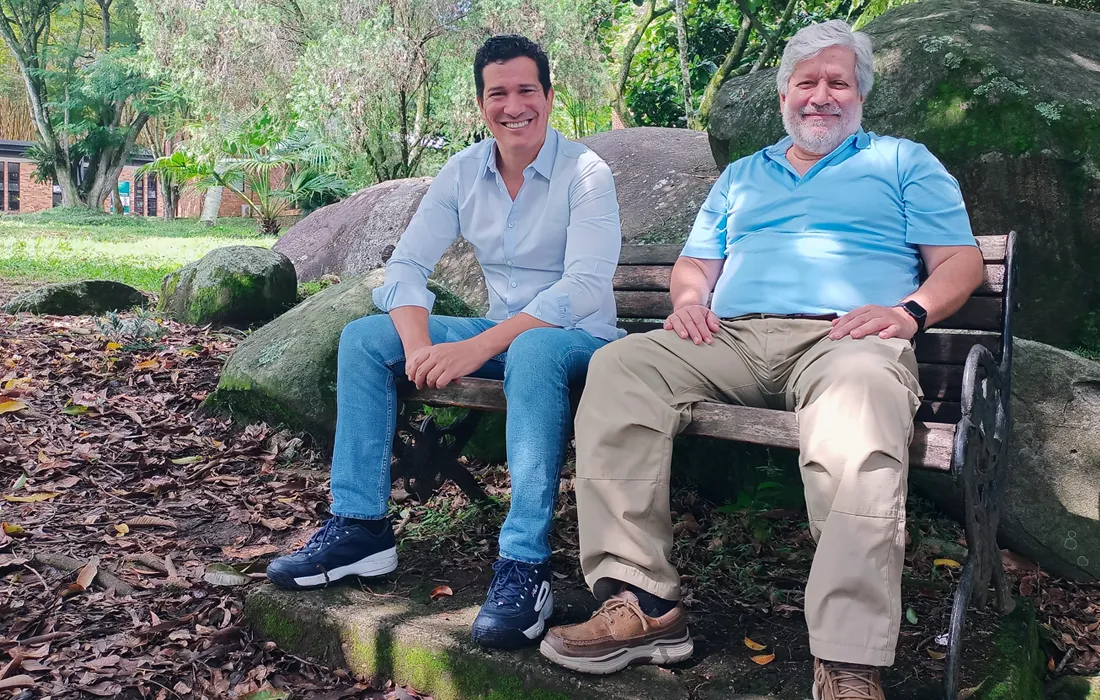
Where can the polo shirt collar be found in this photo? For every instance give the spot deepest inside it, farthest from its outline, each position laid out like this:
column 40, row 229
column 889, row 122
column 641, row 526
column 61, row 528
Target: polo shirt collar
column 777, row 151
column 543, row 163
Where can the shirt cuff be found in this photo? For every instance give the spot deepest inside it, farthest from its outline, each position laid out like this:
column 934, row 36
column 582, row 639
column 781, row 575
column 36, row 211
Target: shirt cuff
column 555, row 310
column 396, row 294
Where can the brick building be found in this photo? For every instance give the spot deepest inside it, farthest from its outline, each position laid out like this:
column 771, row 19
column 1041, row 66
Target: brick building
column 19, row 194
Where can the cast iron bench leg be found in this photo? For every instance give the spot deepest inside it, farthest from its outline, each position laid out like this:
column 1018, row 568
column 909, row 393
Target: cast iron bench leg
column 979, row 464
column 429, row 454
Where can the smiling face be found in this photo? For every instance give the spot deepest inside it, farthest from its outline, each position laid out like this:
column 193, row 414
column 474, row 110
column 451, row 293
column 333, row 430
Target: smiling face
column 514, row 106
column 823, row 106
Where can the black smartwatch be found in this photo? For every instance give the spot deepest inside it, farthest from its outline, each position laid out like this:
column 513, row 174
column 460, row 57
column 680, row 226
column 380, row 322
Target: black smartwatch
column 916, row 311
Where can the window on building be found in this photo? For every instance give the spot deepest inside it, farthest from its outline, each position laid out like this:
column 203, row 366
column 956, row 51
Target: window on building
column 56, row 193
column 151, row 199
column 3, row 168
column 139, row 196
column 13, row 186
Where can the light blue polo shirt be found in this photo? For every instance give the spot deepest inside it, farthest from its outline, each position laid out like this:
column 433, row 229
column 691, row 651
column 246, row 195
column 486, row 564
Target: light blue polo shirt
column 843, row 235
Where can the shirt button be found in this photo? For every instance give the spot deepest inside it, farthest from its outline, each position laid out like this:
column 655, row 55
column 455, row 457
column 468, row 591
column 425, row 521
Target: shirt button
column 511, row 224
column 514, row 284
column 509, row 263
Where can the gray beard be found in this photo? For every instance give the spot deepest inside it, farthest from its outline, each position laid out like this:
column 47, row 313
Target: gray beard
column 818, row 143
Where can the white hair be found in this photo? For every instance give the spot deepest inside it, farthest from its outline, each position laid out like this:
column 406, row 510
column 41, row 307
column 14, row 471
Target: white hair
column 812, row 40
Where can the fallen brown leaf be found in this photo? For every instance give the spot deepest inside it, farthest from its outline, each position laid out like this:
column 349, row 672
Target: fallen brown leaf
column 441, row 592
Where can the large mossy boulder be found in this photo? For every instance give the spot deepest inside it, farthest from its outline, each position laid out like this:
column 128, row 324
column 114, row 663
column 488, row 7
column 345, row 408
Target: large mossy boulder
column 1007, row 95
column 661, row 176
column 285, row 372
column 1051, row 509
column 239, row 285
column 88, row 297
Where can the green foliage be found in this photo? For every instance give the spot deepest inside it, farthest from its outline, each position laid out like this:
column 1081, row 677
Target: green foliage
column 264, row 164
column 87, row 87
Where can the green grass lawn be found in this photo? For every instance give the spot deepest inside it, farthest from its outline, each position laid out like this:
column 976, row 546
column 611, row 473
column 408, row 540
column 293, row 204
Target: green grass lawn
column 60, row 245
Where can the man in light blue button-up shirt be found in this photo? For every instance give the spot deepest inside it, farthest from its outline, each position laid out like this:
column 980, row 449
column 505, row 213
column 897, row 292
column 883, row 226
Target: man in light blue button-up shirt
column 542, row 216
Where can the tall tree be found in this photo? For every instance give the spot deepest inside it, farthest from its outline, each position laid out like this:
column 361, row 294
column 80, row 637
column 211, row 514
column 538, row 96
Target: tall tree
column 83, row 88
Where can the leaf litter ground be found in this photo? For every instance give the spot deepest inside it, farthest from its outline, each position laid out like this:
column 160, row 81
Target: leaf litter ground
column 134, row 525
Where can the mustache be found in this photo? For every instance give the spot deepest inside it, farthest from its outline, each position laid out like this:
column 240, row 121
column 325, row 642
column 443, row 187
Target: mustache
column 831, row 110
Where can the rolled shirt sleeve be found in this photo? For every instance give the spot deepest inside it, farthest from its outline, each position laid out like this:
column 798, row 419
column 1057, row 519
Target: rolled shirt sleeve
column 934, row 210
column 433, row 228
column 593, row 240
column 707, row 239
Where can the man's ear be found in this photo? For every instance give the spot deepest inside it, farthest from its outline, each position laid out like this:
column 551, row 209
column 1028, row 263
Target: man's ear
column 550, row 100
column 782, row 102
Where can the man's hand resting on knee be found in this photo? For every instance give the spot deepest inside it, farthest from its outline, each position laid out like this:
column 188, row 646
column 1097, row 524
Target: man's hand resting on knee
column 886, row 321
column 696, row 322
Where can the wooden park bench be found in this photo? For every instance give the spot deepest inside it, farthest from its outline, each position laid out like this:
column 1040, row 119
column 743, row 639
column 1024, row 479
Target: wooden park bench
column 961, row 428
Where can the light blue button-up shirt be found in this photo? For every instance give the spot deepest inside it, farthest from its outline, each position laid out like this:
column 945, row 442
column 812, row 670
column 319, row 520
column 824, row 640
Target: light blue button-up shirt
column 551, row 253
column 843, row 235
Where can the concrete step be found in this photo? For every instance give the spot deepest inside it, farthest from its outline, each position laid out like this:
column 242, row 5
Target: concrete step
column 405, row 637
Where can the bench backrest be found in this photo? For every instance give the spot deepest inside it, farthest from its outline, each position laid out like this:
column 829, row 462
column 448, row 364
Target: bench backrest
column 641, row 295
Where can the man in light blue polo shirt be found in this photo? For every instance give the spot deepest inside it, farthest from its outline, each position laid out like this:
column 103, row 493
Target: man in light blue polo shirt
column 812, row 249
column 542, row 216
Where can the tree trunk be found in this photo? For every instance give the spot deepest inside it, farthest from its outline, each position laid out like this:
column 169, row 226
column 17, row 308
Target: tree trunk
column 724, row 72
column 171, row 200
column 211, row 204
column 618, row 101
column 685, row 72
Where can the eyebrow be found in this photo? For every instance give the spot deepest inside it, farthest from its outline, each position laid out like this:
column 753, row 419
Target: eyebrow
column 521, row 86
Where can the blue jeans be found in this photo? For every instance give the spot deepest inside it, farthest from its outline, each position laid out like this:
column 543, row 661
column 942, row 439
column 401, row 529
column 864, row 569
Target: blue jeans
column 537, row 369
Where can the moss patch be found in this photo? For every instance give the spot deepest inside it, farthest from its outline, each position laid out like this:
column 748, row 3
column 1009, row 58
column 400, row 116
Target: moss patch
column 446, row 676
column 1017, row 668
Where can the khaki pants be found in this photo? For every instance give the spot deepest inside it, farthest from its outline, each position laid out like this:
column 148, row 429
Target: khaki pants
column 855, row 401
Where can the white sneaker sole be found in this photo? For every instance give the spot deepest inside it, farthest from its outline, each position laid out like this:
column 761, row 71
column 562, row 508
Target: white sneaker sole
column 375, row 565
column 660, row 652
column 547, row 611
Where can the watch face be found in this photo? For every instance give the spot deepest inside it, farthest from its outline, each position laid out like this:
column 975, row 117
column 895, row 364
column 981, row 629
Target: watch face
column 915, row 309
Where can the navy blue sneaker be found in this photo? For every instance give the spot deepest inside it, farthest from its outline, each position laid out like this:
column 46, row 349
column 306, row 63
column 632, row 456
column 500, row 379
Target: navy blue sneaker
column 342, row 547
column 517, row 607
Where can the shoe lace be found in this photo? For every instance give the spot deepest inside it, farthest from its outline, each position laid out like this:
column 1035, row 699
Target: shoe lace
column 619, row 603
column 854, row 682
column 509, row 582
column 321, row 537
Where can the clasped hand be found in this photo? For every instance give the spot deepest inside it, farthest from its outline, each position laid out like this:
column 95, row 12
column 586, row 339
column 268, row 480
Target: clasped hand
column 436, row 366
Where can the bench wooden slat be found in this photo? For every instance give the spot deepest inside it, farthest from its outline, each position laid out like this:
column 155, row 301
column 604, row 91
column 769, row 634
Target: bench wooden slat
column 655, row 278
column 992, row 247
column 978, row 314
column 941, row 381
column 931, row 446
column 940, row 348
column 930, row 449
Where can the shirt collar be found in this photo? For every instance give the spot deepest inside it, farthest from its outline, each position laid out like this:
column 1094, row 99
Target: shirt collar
column 543, row 163
column 861, row 139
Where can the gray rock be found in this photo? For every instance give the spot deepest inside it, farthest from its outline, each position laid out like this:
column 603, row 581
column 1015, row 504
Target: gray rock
column 88, row 297
column 662, row 177
column 1051, row 511
column 233, row 285
column 1007, row 95
column 285, row 372
column 357, row 235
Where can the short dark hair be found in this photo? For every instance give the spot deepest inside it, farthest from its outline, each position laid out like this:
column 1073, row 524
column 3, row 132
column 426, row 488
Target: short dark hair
column 505, row 47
